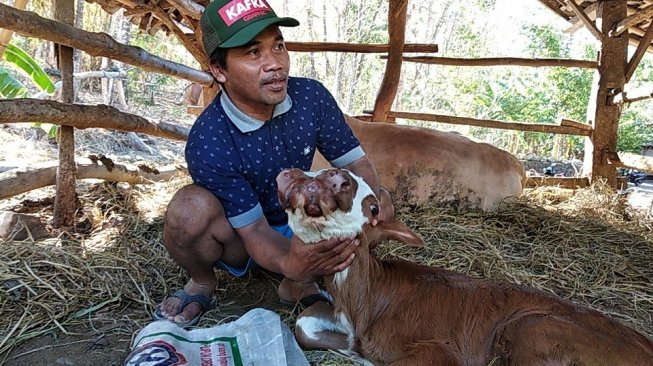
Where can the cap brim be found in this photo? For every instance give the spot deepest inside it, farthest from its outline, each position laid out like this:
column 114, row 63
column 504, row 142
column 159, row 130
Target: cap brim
column 248, row 33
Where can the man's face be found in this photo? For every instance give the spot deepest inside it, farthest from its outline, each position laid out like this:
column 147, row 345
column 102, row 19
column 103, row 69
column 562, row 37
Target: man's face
column 256, row 78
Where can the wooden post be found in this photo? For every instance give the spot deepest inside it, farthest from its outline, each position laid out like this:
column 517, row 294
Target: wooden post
column 397, row 12
column 601, row 146
column 65, row 202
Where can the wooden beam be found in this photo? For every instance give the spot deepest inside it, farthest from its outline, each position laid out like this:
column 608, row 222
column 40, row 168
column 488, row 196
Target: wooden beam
column 397, row 14
column 192, row 47
column 28, row 110
column 65, row 202
column 95, row 44
column 591, row 26
column 519, row 126
column 502, row 61
column 632, row 20
column 358, row 48
column 188, row 8
column 23, row 180
column 644, row 43
column 633, row 40
column 634, row 95
column 601, row 147
column 590, row 11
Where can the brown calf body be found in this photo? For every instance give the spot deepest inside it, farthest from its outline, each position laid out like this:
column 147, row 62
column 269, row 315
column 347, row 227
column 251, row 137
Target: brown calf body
column 401, row 313
column 420, row 164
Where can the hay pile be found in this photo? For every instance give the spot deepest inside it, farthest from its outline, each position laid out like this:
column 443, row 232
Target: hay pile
column 588, row 247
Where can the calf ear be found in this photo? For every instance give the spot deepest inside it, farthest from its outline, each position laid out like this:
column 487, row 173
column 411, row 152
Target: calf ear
column 393, row 230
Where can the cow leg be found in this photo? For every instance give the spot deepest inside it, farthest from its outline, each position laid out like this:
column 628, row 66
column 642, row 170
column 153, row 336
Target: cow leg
column 317, row 327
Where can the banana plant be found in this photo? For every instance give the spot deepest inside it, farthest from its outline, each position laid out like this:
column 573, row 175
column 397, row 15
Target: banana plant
column 10, row 87
column 27, row 65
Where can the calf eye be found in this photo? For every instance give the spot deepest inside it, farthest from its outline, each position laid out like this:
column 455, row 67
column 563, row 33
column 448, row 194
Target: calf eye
column 374, row 209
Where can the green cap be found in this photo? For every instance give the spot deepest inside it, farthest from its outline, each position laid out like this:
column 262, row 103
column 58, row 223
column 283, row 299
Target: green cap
column 233, row 23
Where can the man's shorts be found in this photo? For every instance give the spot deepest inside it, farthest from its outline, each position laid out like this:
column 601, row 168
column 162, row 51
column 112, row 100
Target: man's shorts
column 240, row 272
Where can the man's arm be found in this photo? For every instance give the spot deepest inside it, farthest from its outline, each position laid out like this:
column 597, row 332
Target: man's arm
column 293, row 258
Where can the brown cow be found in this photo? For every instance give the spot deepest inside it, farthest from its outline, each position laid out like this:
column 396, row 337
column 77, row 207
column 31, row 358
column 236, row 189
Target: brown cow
column 419, row 164
column 192, row 95
column 401, row 313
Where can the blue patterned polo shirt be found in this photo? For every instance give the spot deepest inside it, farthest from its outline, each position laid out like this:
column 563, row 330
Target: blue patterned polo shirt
column 238, row 157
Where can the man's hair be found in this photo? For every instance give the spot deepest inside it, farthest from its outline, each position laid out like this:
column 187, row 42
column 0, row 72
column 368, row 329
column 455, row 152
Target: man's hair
column 219, row 57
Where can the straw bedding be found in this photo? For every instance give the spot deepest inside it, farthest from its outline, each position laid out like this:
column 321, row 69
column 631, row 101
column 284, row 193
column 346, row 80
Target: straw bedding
column 587, row 246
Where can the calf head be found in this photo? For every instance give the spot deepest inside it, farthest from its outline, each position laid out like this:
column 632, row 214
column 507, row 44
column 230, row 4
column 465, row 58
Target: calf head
column 335, row 202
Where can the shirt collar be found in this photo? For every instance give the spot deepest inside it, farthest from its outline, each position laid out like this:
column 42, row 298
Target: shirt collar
column 246, row 123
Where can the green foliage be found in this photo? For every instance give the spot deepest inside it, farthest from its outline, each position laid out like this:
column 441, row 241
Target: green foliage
column 29, row 67
column 10, row 87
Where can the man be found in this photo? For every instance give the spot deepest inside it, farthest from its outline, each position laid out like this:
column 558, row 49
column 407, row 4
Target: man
column 261, row 122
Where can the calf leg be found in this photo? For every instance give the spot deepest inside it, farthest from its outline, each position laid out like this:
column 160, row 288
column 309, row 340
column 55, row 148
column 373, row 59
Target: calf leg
column 317, row 327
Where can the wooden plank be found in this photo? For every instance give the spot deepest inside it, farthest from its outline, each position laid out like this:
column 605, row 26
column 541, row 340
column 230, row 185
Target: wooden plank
column 576, row 124
column 518, row 126
column 640, row 16
column 192, row 47
column 634, row 95
column 189, row 8
column 591, row 26
column 502, row 61
column 601, row 147
column 397, row 13
column 358, row 48
column 644, row 43
column 590, row 11
column 95, row 44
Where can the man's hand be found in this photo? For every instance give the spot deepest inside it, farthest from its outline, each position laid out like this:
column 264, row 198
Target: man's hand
column 309, row 262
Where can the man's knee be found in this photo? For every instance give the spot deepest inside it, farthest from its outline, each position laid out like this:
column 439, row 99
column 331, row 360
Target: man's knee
column 192, row 211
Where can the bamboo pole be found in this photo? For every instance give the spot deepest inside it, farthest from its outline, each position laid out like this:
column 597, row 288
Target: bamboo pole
column 502, row 61
column 95, row 44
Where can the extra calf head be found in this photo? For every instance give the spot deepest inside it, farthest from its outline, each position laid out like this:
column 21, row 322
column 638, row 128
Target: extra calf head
column 335, row 202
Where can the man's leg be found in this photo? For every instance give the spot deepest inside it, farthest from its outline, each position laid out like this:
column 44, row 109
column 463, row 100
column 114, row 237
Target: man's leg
column 197, row 233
